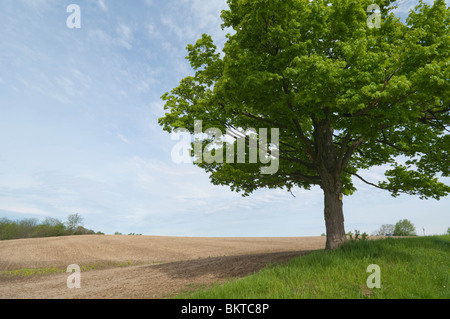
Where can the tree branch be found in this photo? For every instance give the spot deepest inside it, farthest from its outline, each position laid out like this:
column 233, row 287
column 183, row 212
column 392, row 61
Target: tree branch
column 375, row 185
column 344, row 161
column 372, row 184
column 343, row 145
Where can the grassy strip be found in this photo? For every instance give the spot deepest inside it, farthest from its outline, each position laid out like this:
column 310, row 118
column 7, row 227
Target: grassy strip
column 409, row 268
column 25, row 272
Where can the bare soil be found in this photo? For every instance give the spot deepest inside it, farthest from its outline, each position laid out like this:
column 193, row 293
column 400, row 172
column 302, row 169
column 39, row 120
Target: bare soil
column 137, row 267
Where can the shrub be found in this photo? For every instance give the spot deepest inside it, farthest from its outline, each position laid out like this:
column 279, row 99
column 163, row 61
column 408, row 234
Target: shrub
column 357, row 235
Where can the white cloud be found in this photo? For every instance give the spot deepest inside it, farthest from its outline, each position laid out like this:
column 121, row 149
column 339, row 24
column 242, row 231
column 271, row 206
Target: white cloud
column 100, row 36
column 191, row 19
column 152, row 30
column 148, row 3
column 67, row 85
column 125, row 36
column 187, row 188
column 44, row 88
column 123, row 138
column 145, row 85
column 81, row 78
column 40, row 5
column 157, row 108
column 102, row 5
column 23, row 209
column 179, row 30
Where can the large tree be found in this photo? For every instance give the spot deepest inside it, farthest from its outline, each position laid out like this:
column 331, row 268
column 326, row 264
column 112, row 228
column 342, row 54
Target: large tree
column 345, row 95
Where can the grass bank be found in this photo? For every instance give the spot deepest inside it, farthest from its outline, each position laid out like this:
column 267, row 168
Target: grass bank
column 416, row 267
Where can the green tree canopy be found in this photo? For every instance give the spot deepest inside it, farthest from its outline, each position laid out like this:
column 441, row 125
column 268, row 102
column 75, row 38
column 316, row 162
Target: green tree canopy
column 404, row 228
column 345, row 97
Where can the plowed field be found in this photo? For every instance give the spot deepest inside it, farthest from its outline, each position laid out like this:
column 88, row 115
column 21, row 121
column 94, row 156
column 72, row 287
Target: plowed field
column 130, row 267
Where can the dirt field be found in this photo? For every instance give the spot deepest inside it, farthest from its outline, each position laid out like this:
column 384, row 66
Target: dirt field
column 132, row 267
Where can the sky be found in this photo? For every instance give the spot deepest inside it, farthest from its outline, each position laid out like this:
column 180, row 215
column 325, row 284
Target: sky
column 79, row 131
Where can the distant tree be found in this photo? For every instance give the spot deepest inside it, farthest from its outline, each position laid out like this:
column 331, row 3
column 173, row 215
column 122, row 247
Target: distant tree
column 7, row 228
column 50, row 221
column 404, row 228
column 386, row 229
column 50, row 227
column 26, row 227
column 74, row 221
column 448, row 230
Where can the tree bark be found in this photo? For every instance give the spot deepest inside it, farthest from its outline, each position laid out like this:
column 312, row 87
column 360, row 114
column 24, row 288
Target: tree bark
column 334, row 217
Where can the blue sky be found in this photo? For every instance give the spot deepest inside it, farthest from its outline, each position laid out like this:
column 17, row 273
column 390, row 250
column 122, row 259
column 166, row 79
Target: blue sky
column 79, row 132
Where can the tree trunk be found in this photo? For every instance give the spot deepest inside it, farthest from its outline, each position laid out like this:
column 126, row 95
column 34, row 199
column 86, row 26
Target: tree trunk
column 334, row 217
column 330, row 170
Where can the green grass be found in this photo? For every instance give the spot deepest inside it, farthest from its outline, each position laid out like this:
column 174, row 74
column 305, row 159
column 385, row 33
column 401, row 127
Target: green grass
column 26, row 272
column 409, row 267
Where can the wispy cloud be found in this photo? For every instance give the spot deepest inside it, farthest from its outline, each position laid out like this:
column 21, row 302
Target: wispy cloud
column 23, row 210
column 190, row 20
column 123, row 138
column 125, row 36
column 122, row 37
column 67, row 85
column 102, row 5
column 152, row 29
column 81, row 78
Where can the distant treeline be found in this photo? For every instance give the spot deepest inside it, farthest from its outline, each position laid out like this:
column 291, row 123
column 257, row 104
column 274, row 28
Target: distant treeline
column 49, row 227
